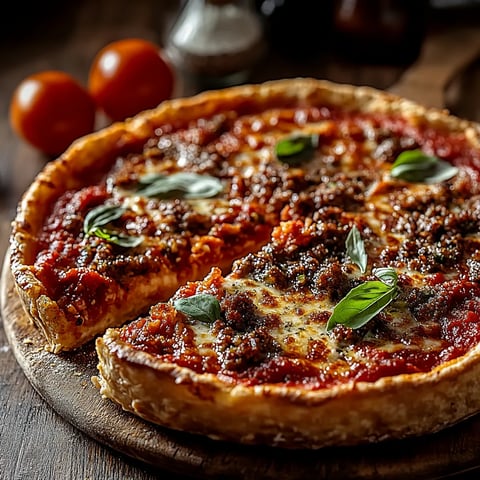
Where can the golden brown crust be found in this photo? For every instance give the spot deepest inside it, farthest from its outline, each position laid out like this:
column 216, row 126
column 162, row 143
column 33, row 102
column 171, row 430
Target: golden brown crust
column 390, row 408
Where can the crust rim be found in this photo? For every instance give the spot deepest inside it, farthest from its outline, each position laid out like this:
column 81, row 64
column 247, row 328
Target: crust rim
column 289, row 417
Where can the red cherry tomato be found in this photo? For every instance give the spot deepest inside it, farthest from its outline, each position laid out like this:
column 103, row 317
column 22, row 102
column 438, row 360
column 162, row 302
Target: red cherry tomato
column 51, row 109
column 128, row 76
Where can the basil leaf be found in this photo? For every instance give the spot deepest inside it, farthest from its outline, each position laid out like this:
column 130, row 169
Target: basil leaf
column 361, row 304
column 365, row 301
column 96, row 222
column 117, row 238
column 417, row 167
column 100, row 216
column 296, row 148
column 202, row 307
column 187, row 185
column 356, row 249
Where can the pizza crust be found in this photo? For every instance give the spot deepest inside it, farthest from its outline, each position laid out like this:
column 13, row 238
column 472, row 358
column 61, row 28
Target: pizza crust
column 356, row 413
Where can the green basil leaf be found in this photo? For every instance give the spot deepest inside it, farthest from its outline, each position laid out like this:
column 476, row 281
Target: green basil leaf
column 97, row 220
column 296, row 148
column 417, row 167
column 356, row 249
column 117, row 238
column 100, row 216
column 365, row 301
column 202, row 307
column 361, row 304
column 187, row 185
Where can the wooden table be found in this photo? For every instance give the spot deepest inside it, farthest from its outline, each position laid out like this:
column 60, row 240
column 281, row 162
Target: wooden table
column 35, row 442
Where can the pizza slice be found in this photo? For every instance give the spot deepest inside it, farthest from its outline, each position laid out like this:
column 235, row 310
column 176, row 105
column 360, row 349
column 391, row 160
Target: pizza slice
column 103, row 258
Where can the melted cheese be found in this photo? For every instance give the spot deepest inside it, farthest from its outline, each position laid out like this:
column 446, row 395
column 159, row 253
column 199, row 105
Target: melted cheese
column 298, row 328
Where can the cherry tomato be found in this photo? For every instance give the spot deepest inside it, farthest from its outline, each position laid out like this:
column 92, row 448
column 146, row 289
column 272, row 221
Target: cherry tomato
column 128, row 76
column 50, row 109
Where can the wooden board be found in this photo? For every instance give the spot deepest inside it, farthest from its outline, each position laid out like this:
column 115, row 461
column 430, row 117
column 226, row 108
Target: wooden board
column 64, row 382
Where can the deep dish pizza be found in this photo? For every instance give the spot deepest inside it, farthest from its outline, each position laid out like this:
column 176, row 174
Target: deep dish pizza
column 351, row 217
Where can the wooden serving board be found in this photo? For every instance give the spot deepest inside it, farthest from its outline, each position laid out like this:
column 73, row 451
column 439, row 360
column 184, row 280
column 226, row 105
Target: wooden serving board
column 64, row 381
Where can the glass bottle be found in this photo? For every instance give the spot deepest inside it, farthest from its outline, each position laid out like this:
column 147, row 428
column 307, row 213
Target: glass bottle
column 215, row 43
